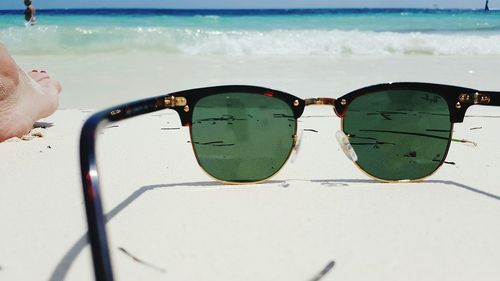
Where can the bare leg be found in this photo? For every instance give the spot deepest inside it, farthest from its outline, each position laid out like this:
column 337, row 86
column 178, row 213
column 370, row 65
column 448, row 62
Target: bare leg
column 24, row 98
column 33, row 13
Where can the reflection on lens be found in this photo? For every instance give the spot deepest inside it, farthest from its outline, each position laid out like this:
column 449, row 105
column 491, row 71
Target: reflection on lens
column 242, row 137
column 399, row 134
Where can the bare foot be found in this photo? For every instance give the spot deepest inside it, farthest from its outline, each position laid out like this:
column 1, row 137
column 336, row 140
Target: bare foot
column 24, row 98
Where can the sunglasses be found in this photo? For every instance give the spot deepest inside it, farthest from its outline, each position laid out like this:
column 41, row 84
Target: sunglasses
column 245, row 134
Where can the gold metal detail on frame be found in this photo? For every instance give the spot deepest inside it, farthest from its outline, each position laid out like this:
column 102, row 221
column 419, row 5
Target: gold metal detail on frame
column 481, row 98
column 295, row 140
column 296, row 103
column 485, row 99
column 169, row 102
column 476, row 98
column 464, row 98
column 343, row 102
column 175, row 101
column 458, row 105
column 186, row 108
column 115, row 112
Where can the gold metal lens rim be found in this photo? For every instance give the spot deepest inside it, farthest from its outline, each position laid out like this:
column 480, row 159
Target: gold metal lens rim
column 404, row 180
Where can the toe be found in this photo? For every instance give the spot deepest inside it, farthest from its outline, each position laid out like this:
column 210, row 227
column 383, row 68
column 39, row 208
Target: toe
column 38, row 75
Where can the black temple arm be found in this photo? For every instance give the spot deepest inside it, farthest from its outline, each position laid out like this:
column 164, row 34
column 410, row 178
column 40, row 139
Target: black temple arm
column 489, row 98
column 90, row 176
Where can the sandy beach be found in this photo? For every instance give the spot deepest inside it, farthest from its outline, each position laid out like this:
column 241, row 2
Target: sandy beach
column 119, row 78
column 319, row 211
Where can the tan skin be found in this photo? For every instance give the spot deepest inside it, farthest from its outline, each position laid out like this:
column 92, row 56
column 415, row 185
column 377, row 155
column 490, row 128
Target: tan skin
column 24, row 97
column 33, row 12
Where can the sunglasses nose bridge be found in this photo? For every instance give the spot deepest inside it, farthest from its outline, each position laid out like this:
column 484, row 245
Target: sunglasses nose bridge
column 320, row 101
column 325, row 101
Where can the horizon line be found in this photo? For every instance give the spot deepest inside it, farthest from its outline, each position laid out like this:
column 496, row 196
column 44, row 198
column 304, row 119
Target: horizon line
column 250, row 9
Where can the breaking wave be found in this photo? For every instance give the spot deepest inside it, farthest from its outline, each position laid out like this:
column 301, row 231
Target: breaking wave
column 54, row 39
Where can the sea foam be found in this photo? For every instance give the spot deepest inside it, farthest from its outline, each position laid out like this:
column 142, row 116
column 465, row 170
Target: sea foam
column 55, row 39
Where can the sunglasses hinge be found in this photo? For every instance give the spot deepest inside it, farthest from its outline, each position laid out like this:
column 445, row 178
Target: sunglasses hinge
column 172, row 101
column 476, row 98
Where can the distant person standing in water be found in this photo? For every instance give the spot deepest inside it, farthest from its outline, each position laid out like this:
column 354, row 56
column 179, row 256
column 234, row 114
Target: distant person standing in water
column 29, row 13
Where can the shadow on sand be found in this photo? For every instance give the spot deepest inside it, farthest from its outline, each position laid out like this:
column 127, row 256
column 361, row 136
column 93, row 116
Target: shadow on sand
column 65, row 263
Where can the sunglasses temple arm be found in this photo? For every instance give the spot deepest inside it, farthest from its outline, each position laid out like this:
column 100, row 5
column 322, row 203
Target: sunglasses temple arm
column 93, row 205
column 90, row 177
column 487, row 98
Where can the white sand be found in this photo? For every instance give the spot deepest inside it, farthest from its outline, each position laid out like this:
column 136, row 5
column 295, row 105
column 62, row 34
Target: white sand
column 104, row 80
column 320, row 208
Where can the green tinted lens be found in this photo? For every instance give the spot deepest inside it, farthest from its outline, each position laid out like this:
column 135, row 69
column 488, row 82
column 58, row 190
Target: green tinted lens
column 399, row 135
column 242, row 137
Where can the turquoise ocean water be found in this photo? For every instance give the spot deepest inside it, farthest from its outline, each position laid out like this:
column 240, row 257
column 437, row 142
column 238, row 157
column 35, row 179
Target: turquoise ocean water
column 255, row 32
